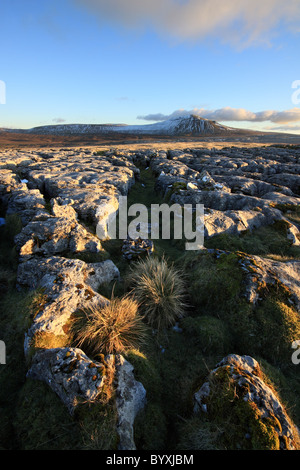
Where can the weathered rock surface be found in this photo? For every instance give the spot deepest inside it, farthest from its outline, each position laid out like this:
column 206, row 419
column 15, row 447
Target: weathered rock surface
column 232, row 184
column 70, row 374
column 59, row 233
column 250, row 387
column 89, row 182
column 77, row 379
column 26, row 204
column 234, row 181
column 80, row 187
column 260, row 272
column 67, row 285
column 132, row 249
column 130, row 399
column 8, row 180
column 238, row 221
column 58, row 193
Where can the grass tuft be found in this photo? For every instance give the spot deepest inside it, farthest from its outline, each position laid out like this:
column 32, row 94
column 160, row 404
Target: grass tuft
column 160, row 291
column 111, row 329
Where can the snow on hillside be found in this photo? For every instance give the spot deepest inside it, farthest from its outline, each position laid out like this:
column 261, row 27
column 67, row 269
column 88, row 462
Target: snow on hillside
column 178, row 125
column 175, row 126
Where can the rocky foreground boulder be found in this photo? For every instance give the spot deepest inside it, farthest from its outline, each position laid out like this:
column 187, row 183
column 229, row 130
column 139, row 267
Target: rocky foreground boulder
column 77, row 379
column 256, row 417
column 66, row 286
column 70, row 374
column 56, row 200
column 261, row 272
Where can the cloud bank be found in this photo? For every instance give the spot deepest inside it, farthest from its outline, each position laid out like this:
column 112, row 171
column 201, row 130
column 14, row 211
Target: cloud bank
column 285, row 128
column 231, row 114
column 242, row 21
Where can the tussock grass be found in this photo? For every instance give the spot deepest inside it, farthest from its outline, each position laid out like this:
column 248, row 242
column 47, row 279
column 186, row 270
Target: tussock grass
column 160, row 291
column 110, row 329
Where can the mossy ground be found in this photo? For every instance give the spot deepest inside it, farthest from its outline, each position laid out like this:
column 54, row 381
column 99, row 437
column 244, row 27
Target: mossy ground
column 219, row 322
column 265, row 241
column 290, row 211
column 144, row 192
column 231, row 423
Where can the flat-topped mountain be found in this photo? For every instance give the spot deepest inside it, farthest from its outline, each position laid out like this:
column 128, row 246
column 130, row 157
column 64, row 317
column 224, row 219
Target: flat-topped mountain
column 187, row 127
column 191, row 124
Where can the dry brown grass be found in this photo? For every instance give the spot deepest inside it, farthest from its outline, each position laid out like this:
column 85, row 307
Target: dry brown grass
column 110, row 329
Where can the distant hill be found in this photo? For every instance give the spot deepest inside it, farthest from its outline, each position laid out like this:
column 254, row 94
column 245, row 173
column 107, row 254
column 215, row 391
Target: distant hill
column 184, row 125
column 188, row 128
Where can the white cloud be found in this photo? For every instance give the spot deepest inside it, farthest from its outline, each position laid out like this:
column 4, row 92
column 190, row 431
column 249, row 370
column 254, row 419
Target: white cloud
column 236, row 21
column 232, row 114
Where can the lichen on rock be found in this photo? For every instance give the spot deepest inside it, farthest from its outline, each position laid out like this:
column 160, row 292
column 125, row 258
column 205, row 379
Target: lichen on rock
column 256, row 418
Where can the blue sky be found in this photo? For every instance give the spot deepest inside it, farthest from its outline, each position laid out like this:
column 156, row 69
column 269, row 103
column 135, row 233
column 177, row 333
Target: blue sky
column 137, row 61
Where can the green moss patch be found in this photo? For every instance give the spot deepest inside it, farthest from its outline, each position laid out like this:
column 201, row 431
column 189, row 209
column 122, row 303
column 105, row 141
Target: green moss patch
column 269, row 240
column 242, row 423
